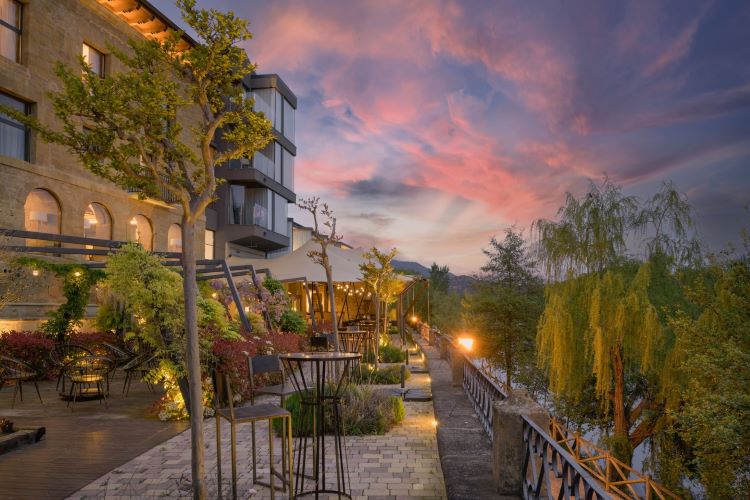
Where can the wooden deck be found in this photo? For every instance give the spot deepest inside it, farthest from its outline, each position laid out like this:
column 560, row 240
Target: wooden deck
column 80, row 445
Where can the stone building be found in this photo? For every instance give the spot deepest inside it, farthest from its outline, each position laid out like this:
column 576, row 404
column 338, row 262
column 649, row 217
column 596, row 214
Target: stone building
column 44, row 188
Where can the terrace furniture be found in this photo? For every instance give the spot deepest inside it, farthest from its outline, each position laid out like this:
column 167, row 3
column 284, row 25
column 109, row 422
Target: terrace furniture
column 87, row 376
column 225, row 409
column 268, row 365
column 138, row 367
column 14, row 370
column 320, row 377
column 61, row 355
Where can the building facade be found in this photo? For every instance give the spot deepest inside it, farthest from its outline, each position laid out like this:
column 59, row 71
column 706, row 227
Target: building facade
column 44, row 188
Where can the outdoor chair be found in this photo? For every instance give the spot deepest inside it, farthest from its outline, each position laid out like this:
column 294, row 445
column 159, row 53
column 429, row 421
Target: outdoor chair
column 224, row 408
column 14, row 370
column 87, row 376
column 62, row 354
column 119, row 358
column 138, row 367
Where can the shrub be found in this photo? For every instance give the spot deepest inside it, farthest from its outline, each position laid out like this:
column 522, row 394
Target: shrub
column 392, row 354
column 90, row 340
column 364, row 410
column 33, row 348
column 293, row 322
column 387, row 375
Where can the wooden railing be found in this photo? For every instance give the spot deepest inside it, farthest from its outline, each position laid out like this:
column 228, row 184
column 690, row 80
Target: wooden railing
column 617, row 477
column 551, row 472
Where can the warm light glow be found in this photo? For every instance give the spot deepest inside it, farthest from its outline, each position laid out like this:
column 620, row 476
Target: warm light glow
column 133, row 222
column 466, row 342
column 434, row 423
column 414, row 319
column 214, row 295
column 247, row 309
column 77, row 274
column 35, row 272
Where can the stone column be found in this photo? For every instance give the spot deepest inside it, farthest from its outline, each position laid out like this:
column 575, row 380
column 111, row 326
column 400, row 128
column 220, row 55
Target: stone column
column 457, row 367
column 508, row 449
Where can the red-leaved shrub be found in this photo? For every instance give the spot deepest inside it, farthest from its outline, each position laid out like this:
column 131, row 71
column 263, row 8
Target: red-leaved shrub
column 33, row 348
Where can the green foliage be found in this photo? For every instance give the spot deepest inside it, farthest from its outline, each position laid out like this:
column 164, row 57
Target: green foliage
column 364, row 411
column 273, row 285
column 152, row 294
column 712, row 355
column 388, row 375
column 505, row 306
column 293, row 322
column 212, row 316
column 604, row 320
column 392, row 354
column 77, row 282
column 446, row 312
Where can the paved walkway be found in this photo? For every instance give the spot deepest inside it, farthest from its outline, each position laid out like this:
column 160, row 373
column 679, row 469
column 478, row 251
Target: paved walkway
column 404, row 463
column 465, row 448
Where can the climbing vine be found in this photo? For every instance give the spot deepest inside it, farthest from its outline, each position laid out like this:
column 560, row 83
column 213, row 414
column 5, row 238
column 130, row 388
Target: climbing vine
column 77, row 282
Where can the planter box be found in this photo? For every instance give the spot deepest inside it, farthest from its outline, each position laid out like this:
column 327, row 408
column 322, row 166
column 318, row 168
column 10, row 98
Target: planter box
column 21, row 437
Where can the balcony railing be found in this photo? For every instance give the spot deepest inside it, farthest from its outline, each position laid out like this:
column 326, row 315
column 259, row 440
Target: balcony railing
column 483, row 390
column 164, row 194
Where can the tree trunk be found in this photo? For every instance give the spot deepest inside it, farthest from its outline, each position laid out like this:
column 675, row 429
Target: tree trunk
column 508, row 364
column 377, row 330
column 620, row 447
column 190, row 289
column 332, row 299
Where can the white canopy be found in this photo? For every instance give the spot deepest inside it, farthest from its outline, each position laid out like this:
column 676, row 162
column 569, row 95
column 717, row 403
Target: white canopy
column 297, row 266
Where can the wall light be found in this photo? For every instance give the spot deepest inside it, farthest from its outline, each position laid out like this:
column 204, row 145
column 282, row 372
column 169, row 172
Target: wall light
column 466, row 342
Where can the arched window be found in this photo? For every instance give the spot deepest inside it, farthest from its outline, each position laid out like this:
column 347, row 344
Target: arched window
column 174, row 238
column 140, row 231
column 42, row 214
column 97, row 222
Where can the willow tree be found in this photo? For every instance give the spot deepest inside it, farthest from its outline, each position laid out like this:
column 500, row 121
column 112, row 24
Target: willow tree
column 377, row 272
column 603, row 330
column 153, row 125
column 324, row 234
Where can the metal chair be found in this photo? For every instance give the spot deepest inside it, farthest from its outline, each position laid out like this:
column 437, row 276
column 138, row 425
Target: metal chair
column 61, row 355
column 224, row 408
column 139, row 366
column 15, row 370
column 87, row 376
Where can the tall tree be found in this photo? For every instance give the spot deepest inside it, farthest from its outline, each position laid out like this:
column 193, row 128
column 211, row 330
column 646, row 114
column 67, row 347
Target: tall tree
column 445, row 305
column 506, row 302
column 128, row 128
column 604, row 318
column 323, row 219
column 376, row 273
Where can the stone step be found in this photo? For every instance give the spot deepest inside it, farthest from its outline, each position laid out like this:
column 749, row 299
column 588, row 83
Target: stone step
column 21, row 437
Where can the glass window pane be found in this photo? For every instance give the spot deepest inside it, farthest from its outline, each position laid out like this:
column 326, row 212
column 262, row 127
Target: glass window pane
column 277, row 171
column 280, row 211
column 174, row 238
column 41, row 214
column 263, row 160
column 12, row 133
column 8, row 43
column 288, row 121
column 97, row 222
column 10, row 32
column 260, row 207
column 140, row 230
column 209, row 244
column 94, row 58
column 279, row 105
column 288, row 177
column 237, row 195
column 10, row 11
column 263, row 102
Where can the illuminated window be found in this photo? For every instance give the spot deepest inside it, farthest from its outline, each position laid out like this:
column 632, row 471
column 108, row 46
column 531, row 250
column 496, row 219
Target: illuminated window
column 41, row 214
column 94, row 58
column 140, row 231
column 174, row 237
column 10, row 29
column 209, row 252
column 97, row 222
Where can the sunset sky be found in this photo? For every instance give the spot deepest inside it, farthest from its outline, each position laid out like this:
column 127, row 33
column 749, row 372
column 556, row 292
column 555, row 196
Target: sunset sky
column 433, row 125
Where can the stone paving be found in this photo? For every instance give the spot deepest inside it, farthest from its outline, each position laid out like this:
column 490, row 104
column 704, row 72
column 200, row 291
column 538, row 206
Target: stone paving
column 404, row 463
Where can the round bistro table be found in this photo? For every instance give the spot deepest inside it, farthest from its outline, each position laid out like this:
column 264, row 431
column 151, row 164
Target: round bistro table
column 320, row 378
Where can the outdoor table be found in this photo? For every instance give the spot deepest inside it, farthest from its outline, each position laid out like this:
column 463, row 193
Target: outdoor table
column 319, row 377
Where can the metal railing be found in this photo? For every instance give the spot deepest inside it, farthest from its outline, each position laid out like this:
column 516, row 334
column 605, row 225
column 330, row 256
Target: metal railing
column 616, row 476
column 553, row 473
column 483, row 390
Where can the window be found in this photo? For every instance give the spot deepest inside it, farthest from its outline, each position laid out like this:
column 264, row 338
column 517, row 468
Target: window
column 209, row 244
column 140, row 231
column 249, row 206
column 97, row 222
column 263, row 159
column 41, row 213
column 10, row 29
column 174, row 238
column 263, row 102
column 94, row 58
column 14, row 136
column 288, row 121
column 287, row 178
column 280, row 211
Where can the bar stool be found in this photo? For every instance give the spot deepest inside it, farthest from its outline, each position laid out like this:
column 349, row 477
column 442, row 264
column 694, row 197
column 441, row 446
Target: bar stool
column 224, row 408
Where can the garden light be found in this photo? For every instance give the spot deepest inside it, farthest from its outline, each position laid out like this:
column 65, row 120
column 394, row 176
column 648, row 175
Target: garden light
column 466, row 342
column 247, row 309
column 35, row 272
column 414, row 319
column 77, row 274
column 214, row 295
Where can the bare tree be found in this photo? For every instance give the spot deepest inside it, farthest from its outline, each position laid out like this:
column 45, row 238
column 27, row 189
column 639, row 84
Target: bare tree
column 327, row 221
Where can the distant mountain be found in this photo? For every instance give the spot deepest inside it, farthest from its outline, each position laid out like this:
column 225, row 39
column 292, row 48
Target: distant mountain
column 459, row 283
